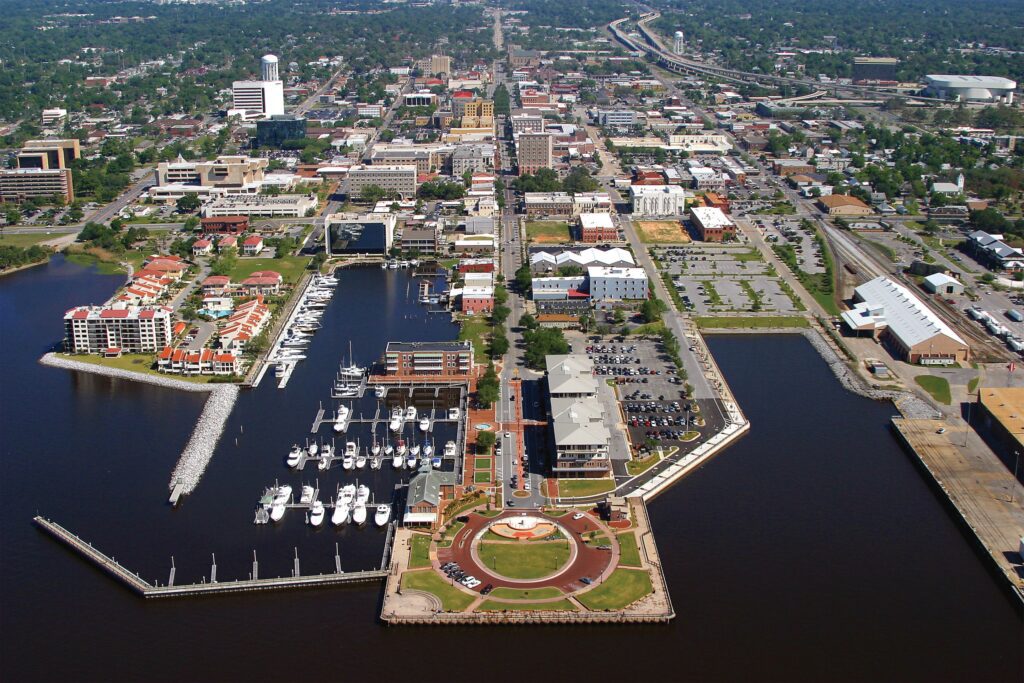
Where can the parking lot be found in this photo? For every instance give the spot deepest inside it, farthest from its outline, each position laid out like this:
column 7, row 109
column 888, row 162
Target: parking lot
column 724, row 279
column 787, row 230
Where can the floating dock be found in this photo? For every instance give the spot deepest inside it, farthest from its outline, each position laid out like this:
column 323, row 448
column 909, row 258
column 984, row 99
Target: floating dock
column 212, row 587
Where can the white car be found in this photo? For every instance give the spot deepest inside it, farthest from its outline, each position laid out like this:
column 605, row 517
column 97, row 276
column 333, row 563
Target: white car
column 508, row 435
column 526, row 485
column 578, row 515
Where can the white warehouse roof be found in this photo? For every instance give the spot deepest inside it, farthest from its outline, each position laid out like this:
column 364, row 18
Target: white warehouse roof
column 986, row 82
column 710, row 216
column 885, row 303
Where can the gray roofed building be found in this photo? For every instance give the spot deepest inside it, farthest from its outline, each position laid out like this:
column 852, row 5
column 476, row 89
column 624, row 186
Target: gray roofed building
column 582, row 439
column 426, row 491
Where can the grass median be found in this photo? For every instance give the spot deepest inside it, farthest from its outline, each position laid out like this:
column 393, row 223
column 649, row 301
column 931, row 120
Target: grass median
column 574, row 488
column 556, row 606
column 420, row 554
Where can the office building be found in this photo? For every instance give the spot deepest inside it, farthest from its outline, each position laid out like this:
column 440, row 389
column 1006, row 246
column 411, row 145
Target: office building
column 874, row 69
column 582, row 439
column 615, row 118
column 275, row 130
column 48, row 153
column 658, row 200
column 597, row 227
column 425, row 160
column 889, row 312
column 224, row 171
column 535, row 151
column 55, row 115
column 526, row 123
column 475, row 158
column 712, row 224
column 425, row 359
column 20, row 184
column 260, row 205
column 398, row 179
column 359, row 234
column 616, row 284
column 115, row 329
column 420, row 240
column 258, row 98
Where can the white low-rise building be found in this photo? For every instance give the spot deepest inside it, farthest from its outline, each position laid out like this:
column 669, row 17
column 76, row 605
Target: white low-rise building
column 658, row 200
column 616, row 284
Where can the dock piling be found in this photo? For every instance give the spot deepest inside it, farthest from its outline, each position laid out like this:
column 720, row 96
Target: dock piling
column 170, row 580
column 337, row 559
column 255, row 567
column 296, row 572
column 213, row 569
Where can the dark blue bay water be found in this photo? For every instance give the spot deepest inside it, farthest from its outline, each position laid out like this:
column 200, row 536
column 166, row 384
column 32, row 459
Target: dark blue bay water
column 811, row 550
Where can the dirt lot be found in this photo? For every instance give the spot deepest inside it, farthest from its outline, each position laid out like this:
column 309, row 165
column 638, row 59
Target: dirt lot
column 668, row 232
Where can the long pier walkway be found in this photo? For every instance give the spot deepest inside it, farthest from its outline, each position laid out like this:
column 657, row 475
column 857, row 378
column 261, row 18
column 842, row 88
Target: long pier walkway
column 149, row 590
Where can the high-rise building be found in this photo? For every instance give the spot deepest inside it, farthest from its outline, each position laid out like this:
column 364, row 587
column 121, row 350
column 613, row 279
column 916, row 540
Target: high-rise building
column 678, row 43
column 19, row 184
column 49, row 153
column 128, row 329
column 440, row 64
column 258, row 98
column 274, row 130
column 535, row 151
column 268, row 68
column 874, row 68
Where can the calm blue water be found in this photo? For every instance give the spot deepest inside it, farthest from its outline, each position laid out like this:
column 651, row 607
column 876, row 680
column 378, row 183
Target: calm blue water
column 812, row 550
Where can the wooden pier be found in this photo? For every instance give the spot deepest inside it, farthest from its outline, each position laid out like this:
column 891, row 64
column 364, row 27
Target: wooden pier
column 212, row 587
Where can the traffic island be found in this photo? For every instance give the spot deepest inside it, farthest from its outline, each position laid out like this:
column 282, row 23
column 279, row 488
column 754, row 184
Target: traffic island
column 563, row 566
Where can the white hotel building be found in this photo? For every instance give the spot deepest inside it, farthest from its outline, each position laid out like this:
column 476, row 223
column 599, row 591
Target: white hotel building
column 128, row 329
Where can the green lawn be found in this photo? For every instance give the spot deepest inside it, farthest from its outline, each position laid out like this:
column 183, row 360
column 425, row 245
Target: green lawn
column 826, row 301
column 452, row 599
column 482, row 463
column 570, row 488
column 25, row 240
column 745, row 322
column 449, row 535
column 420, row 555
column 541, row 593
column 972, row 385
column 136, row 362
column 476, row 329
column 547, row 232
column 938, row 387
column 102, row 267
column 482, row 477
column 621, row 589
column 524, row 560
column 629, row 552
column 557, row 606
column 290, row 267
column 635, row 467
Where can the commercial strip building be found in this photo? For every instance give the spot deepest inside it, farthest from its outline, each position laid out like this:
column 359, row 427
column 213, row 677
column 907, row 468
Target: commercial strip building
column 891, row 313
column 428, row 359
column 117, row 328
column 658, row 200
column 702, row 143
column 712, row 224
column 263, row 206
column 400, row 179
column 581, row 438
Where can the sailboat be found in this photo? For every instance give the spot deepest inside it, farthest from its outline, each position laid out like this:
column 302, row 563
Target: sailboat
column 351, row 371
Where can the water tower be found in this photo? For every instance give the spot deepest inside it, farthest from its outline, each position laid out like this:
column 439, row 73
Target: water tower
column 268, row 68
column 678, row 43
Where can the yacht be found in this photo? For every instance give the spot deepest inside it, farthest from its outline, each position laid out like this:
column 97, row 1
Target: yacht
column 410, row 414
column 449, row 449
column 312, row 450
column 395, row 424
column 307, row 495
column 294, row 456
column 343, row 505
column 415, row 450
column 428, row 450
column 401, row 448
column 383, row 515
column 360, row 460
column 316, row 513
column 396, row 460
column 453, row 413
column 380, row 392
column 348, row 461
column 424, row 423
column 341, row 419
column 282, row 494
column 359, row 507
column 435, row 463
column 277, row 511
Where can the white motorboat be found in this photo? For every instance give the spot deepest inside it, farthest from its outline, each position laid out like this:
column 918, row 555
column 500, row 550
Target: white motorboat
column 401, row 449
column 283, row 494
column 316, row 513
column 359, row 513
column 382, row 515
column 360, row 460
column 410, row 461
column 324, row 464
column 428, row 450
column 424, row 423
column 294, row 455
column 435, row 463
column 380, row 392
column 410, row 414
column 362, row 493
column 312, row 450
column 389, row 450
column 375, row 448
column 341, row 419
column 377, row 461
column 348, row 461
column 449, row 449
column 395, row 424
column 396, row 461
column 277, row 511
column 343, row 505
column 415, row 450
column 307, row 495
column 453, row 413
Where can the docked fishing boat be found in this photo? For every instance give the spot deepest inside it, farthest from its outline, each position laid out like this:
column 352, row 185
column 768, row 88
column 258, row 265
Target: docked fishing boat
column 341, row 420
column 449, row 449
column 282, row 494
column 424, row 423
column 410, row 414
column 277, row 511
column 360, row 460
column 343, row 505
column 453, row 413
column 376, row 462
column 396, row 460
column 410, row 461
column 401, row 449
column 383, row 514
column 395, row 423
column 359, row 507
column 312, row 449
column 294, row 456
column 435, row 462
column 380, row 392
column 308, row 492
column 348, row 460
column 316, row 513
